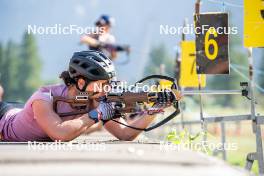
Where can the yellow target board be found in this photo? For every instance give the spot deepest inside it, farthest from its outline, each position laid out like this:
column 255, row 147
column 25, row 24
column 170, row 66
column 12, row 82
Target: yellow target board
column 165, row 84
column 188, row 73
column 254, row 23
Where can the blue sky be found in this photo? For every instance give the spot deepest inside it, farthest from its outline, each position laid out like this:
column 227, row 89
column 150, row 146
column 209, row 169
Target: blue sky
column 137, row 24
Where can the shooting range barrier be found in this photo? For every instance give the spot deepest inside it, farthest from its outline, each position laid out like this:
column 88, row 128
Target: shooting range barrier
column 211, row 55
column 257, row 121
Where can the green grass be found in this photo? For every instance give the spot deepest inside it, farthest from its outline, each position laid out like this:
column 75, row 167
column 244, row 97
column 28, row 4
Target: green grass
column 244, row 144
column 239, row 159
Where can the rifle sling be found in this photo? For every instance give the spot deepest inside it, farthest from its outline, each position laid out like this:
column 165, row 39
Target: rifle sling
column 162, row 122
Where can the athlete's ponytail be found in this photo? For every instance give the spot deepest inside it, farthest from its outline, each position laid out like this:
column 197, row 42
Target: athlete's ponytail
column 65, row 76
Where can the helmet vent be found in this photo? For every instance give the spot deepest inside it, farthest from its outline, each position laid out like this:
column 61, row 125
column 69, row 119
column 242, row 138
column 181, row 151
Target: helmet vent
column 103, row 56
column 72, row 71
column 95, row 72
column 92, row 65
column 84, row 65
column 97, row 59
column 76, row 61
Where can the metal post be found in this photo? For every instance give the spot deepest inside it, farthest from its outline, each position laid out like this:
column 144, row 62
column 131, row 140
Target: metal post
column 223, row 140
column 183, row 34
column 197, row 6
column 259, row 149
column 183, row 39
column 203, row 125
column 211, row 92
column 182, row 117
column 205, row 131
column 251, row 85
column 258, row 155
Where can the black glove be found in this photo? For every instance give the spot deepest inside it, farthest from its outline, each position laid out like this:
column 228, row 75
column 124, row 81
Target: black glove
column 165, row 98
column 125, row 48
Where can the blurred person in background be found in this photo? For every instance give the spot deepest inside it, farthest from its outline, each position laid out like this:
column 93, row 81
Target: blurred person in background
column 103, row 40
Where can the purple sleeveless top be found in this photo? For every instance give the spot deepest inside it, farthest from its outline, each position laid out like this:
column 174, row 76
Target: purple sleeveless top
column 20, row 125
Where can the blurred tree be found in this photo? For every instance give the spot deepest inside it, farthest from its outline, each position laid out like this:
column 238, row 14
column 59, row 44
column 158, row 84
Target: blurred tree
column 237, row 57
column 10, row 72
column 158, row 56
column 30, row 68
column 1, row 62
column 2, row 68
column 20, row 68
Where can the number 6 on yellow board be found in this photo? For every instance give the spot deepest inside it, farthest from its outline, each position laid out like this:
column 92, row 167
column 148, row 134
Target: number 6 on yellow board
column 210, row 42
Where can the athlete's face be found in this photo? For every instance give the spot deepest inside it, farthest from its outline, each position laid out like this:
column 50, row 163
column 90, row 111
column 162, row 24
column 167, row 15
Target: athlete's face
column 105, row 28
column 95, row 89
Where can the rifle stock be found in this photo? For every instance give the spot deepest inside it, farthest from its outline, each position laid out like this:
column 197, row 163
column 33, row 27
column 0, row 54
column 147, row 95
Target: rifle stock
column 125, row 102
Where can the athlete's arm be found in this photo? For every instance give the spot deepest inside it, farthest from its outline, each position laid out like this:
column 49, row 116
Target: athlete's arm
column 54, row 126
column 86, row 39
column 113, row 55
column 125, row 133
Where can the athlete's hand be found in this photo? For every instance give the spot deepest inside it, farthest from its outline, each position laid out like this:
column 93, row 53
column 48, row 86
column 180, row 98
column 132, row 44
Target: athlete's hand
column 105, row 111
column 89, row 40
column 166, row 98
column 127, row 49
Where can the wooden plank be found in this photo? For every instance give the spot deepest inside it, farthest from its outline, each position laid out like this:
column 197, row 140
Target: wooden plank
column 139, row 157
